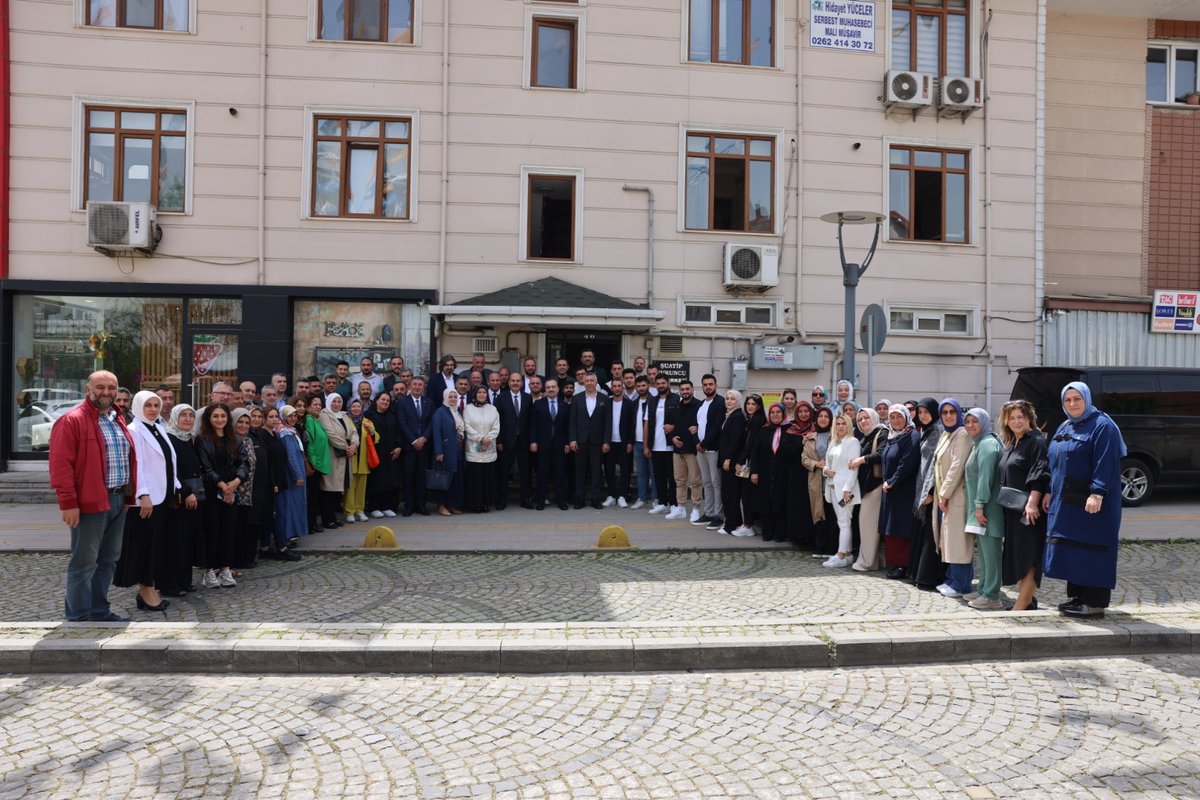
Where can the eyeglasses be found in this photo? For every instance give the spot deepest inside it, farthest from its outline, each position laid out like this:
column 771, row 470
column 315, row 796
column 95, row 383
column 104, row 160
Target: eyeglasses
column 818, row 394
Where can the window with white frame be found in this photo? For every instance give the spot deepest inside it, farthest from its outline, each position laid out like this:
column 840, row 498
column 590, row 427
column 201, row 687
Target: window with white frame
column 931, row 320
column 153, row 15
column 717, row 312
column 388, row 21
column 1171, row 72
column 551, row 202
column 135, row 154
column 554, row 47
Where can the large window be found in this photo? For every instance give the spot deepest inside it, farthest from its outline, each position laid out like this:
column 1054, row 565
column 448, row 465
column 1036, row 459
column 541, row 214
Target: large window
column 929, row 194
column 159, row 15
column 730, row 182
column 136, row 155
column 931, row 36
column 732, row 32
column 366, row 20
column 1171, row 72
column 554, row 52
column 361, row 167
column 551, row 223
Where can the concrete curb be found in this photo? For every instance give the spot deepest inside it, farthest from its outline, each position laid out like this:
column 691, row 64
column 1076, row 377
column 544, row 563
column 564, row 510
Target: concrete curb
column 104, row 652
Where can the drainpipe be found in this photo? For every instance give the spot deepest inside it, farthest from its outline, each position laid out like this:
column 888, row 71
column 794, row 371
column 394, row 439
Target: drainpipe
column 4, row 137
column 987, row 209
column 649, row 239
column 797, row 152
column 1039, row 195
column 262, row 142
column 445, row 150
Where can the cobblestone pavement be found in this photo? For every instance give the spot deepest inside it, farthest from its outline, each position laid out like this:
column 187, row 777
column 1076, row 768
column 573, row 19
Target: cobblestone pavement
column 1102, row 728
column 628, row 587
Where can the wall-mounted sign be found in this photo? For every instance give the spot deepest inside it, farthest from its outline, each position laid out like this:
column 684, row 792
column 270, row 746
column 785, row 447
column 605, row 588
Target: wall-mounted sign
column 345, row 330
column 1174, row 312
column 676, row 371
column 842, row 25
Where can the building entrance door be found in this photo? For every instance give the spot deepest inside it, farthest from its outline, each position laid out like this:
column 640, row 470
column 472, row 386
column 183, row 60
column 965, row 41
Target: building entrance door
column 570, row 344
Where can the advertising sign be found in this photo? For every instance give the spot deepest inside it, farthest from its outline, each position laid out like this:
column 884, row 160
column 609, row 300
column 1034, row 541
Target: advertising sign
column 842, row 25
column 1174, row 312
column 676, row 371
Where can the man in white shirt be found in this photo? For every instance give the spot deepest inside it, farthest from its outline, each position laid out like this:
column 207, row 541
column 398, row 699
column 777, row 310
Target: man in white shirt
column 366, row 372
column 641, row 460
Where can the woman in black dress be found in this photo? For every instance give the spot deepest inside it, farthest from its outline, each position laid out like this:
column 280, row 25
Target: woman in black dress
column 383, row 483
column 1024, row 467
column 224, row 472
column 729, row 450
column 184, row 547
column 925, row 566
column 756, row 419
column 263, row 425
column 254, row 499
column 769, row 462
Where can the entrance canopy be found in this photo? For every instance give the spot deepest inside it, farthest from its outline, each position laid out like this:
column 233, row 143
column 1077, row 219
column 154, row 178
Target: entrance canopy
column 548, row 303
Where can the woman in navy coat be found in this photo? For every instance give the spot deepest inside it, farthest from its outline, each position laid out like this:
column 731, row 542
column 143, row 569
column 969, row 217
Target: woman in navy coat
column 1084, row 504
column 448, row 435
column 899, row 458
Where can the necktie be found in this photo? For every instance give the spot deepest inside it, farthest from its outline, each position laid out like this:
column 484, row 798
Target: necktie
column 517, row 404
column 418, row 407
column 553, row 410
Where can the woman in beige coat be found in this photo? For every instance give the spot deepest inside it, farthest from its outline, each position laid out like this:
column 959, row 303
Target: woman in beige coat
column 949, row 493
column 816, row 445
column 343, row 444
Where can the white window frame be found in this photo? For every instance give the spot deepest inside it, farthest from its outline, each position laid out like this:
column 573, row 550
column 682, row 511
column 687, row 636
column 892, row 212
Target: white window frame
column 314, row 16
column 560, row 11
column 306, row 171
column 939, row 310
column 1171, row 46
column 681, row 177
column 527, row 171
column 973, row 230
column 725, row 304
column 777, row 28
column 81, row 21
column 80, row 102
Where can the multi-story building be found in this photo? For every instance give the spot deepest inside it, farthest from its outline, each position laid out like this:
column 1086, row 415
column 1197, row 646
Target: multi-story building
column 339, row 178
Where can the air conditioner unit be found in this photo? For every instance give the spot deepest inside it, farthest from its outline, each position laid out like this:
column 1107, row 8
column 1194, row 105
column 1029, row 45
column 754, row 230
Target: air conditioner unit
column 903, row 89
column 751, row 266
column 960, row 95
column 116, row 228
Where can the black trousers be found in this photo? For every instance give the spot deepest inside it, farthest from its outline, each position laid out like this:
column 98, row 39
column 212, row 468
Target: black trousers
column 618, row 470
column 516, row 457
column 551, row 464
column 664, row 476
column 588, row 473
column 1094, row 596
column 413, row 464
column 731, row 500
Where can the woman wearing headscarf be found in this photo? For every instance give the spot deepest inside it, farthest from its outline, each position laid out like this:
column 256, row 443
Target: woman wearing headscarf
column 843, row 391
column 899, row 461
column 756, row 421
column 384, row 480
column 729, row 449
column 251, row 497
column 448, row 436
column 343, row 444
column 291, row 515
column 984, row 513
column 481, row 426
column 263, row 428
column 360, row 470
column 819, row 397
column 224, row 471
column 926, row 569
column 316, row 453
column 882, row 409
column 1023, row 468
column 156, row 482
column 769, row 472
column 184, row 546
column 799, row 512
column 841, row 487
column 949, row 495
column 1084, row 503
column 816, row 446
column 803, row 423
column 870, row 480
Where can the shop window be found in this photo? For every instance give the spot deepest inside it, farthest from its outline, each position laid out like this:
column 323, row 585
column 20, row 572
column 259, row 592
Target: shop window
column 929, row 193
column 158, row 15
column 328, row 331
column 732, row 32
column 1171, row 72
column 730, row 182
column 389, row 21
column 136, row 155
column 931, row 36
column 361, row 166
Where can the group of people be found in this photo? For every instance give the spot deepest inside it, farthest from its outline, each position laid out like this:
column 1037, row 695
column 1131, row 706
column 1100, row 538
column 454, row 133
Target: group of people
column 914, row 488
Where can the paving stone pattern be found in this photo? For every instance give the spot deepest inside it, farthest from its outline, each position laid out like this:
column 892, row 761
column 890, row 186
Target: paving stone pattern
column 627, row 587
column 1101, row 728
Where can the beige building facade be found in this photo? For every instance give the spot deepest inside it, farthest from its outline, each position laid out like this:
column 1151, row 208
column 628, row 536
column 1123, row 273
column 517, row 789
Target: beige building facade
column 336, row 179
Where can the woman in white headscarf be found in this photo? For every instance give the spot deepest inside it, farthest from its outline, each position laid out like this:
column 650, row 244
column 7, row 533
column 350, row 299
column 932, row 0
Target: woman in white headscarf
column 343, row 444
column 184, row 547
column 156, row 483
column 870, row 480
column 449, row 434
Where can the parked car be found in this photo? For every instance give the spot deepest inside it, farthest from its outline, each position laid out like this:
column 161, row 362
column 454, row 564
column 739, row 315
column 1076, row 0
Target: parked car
column 33, row 426
column 1157, row 409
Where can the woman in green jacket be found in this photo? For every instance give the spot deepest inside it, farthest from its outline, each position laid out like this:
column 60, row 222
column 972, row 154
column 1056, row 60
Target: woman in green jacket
column 983, row 486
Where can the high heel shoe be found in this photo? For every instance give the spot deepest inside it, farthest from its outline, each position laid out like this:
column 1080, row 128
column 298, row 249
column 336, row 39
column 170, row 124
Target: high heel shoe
column 144, row 606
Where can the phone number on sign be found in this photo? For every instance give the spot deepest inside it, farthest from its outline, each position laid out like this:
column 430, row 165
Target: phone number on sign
column 843, row 44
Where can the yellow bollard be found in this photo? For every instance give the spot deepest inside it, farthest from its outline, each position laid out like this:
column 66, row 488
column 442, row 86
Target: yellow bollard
column 613, row 537
column 381, row 538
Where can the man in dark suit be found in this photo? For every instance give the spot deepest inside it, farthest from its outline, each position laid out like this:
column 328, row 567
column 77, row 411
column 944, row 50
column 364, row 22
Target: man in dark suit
column 591, row 424
column 710, row 419
column 529, row 371
column 515, row 407
column 443, row 380
column 549, row 444
column 477, row 365
column 416, row 417
column 620, row 449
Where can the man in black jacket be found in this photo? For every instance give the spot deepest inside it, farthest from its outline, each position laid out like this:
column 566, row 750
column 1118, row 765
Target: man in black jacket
column 656, row 444
column 415, row 412
column 549, row 444
column 710, row 418
column 590, row 424
column 515, row 407
column 620, row 448
column 683, row 445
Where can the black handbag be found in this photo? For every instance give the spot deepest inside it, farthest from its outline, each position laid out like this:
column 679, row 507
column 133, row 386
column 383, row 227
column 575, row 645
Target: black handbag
column 1076, row 490
column 1011, row 498
column 196, row 487
column 438, row 480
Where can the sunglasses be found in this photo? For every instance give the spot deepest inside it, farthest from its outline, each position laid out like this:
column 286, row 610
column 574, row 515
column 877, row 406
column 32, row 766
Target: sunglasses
column 818, row 394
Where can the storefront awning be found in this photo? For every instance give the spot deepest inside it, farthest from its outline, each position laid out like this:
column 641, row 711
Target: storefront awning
column 548, row 303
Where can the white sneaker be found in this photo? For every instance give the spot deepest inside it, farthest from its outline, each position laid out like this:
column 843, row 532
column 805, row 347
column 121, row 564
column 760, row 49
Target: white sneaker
column 676, row 512
column 377, row 514
column 350, row 519
column 638, row 503
column 947, row 591
column 210, row 580
column 226, row 578
column 743, row 531
column 387, row 512
column 696, row 515
column 609, row 502
column 621, row 503
column 838, row 563
column 360, row 516
column 659, row 508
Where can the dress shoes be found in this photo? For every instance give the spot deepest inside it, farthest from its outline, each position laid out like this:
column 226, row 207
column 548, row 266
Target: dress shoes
column 526, row 504
column 144, row 606
column 424, row 512
column 541, row 506
column 408, row 512
column 1078, row 609
column 598, row 506
column 895, row 573
column 563, row 506
column 578, row 506
column 111, row 617
column 317, row 529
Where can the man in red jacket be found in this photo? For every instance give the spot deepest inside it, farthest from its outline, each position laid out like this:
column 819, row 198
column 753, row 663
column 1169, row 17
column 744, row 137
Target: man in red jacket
column 92, row 469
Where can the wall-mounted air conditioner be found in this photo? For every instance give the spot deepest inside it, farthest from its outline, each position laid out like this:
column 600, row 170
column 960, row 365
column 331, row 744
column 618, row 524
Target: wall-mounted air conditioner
column 904, row 89
column 959, row 95
column 751, row 266
column 120, row 228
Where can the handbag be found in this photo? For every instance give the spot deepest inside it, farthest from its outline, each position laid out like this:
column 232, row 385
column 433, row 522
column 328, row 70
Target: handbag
column 438, row 480
column 742, row 470
column 372, row 453
column 1076, row 490
column 196, row 486
column 1011, row 498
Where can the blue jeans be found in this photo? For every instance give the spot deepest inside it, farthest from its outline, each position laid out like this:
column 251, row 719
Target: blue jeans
column 95, row 548
column 959, row 576
column 645, row 473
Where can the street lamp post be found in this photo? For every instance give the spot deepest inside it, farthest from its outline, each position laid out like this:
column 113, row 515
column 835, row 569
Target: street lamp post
column 852, row 272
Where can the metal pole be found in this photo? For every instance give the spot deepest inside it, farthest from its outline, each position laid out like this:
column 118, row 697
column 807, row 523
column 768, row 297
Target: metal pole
column 870, row 357
column 848, row 356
